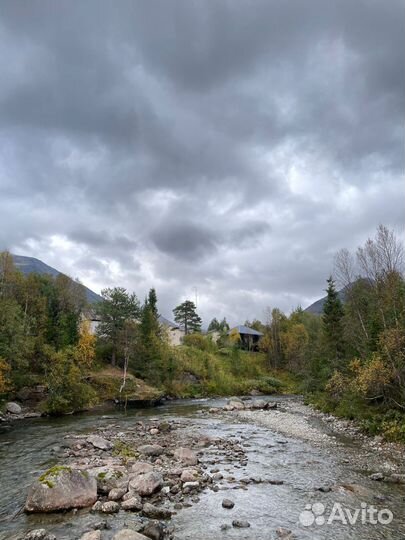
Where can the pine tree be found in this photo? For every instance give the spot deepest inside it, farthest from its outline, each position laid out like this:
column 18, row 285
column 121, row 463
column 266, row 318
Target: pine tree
column 186, row 315
column 333, row 322
column 116, row 309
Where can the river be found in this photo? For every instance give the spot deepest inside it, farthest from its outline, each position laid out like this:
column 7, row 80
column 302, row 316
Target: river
column 28, row 448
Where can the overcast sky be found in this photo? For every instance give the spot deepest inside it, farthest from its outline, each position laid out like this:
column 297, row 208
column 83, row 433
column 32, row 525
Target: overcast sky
column 232, row 146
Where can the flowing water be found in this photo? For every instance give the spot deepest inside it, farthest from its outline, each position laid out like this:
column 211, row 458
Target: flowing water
column 28, row 448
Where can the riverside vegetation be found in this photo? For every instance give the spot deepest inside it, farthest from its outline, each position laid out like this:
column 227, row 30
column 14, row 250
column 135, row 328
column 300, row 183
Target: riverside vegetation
column 350, row 361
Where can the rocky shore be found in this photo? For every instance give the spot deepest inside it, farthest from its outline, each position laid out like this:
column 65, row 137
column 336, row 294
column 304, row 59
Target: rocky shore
column 150, row 471
column 153, row 470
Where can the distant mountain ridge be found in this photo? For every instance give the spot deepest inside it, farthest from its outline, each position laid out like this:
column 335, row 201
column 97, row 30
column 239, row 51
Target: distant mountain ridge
column 31, row 265
column 317, row 307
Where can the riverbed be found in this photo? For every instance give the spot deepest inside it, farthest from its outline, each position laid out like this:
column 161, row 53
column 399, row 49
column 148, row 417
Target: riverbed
column 288, row 470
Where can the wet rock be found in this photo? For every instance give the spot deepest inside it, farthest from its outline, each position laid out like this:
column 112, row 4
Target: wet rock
column 13, row 408
column 235, row 405
column 275, row 482
column 147, row 484
column 217, row 476
column 99, row 442
column 186, row 456
column 377, row 477
column 324, row 489
column 154, row 531
column 283, row 533
column 61, row 488
column 259, row 404
column 109, row 507
column 116, row 494
column 134, row 504
column 227, row 503
column 396, row 478
column 240, row 524
column 155, row 512
column 141, row 467
column 91, row 535
column 97, row 506
column 151, row 450
column 128, row 534
column 109, row 478
column 39, row 534
column 164, row 427
column 191, row 485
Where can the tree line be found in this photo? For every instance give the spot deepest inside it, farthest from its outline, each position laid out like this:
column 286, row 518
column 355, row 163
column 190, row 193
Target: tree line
column 351, row 359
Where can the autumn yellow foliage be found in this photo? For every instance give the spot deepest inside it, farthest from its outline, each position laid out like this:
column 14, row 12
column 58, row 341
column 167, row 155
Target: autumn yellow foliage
column 85, row 351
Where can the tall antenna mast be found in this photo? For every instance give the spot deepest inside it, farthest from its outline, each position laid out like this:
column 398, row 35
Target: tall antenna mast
column 196, row 295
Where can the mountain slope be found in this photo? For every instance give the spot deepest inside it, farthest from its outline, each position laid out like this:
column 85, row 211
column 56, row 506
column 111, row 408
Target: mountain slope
column 30, row 265
column 317, row 307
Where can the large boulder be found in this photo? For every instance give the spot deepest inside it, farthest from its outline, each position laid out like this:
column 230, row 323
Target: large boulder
column 61, row 488
column 146, row 484
column 186, row 456
column 13, row 408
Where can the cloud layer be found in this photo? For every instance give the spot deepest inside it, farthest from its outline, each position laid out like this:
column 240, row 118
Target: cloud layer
column 227, row 146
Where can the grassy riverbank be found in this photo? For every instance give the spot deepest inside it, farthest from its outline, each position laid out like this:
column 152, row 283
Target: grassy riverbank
column 373, row 419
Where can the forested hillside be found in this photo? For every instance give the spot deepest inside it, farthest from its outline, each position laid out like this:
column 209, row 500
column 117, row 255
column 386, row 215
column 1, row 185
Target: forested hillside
column 350, row 360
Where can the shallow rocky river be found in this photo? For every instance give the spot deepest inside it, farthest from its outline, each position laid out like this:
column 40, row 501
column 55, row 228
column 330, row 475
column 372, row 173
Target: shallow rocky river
column 290, row 468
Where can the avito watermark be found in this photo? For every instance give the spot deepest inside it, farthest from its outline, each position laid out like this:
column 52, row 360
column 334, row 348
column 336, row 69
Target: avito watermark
column 317, row 514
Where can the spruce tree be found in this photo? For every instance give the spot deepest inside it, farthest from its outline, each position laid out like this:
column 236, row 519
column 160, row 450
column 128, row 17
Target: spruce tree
column 333, row 323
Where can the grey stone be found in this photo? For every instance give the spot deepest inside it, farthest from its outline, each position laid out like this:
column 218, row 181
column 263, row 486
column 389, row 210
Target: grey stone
column 134, row 504
column 240, row 524
column 91, row 535
column 147, row 484
column 109, row 507
column 61, row 489
column 99, row 442
column 227, row 503
column 151, row 450
column 128, row 534
column 141, row 467
column 186, row 456
column 154, row 531
column 13, row 408
column 39, row 534
column 155, row 512
column 116, row 494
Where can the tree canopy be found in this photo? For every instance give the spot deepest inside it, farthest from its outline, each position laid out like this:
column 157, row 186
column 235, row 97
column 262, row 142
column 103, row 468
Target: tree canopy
column 186, row 316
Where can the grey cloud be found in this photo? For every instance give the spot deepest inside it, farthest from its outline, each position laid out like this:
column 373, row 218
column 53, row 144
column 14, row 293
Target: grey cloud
column 232, row 146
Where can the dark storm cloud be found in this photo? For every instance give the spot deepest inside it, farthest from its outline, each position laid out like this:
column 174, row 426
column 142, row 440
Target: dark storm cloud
column 228, row 146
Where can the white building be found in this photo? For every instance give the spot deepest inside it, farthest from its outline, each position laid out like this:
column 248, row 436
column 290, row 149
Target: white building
column 174, row 332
